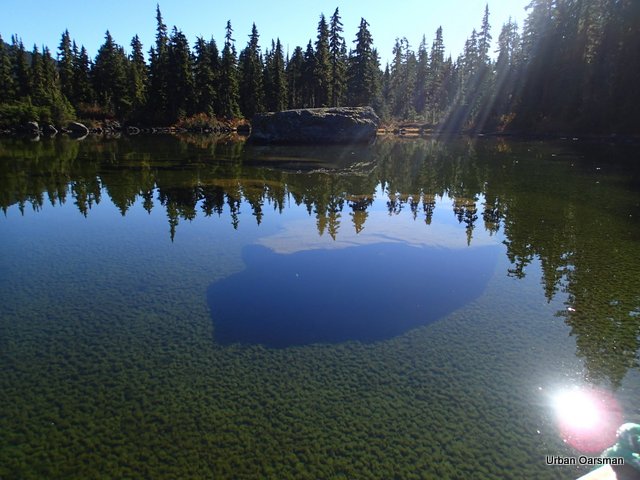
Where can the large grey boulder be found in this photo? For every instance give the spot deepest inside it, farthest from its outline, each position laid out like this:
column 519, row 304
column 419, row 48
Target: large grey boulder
column 315, row 125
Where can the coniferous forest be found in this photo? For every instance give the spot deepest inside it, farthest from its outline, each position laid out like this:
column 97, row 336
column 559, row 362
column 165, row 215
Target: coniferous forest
column 573, row 66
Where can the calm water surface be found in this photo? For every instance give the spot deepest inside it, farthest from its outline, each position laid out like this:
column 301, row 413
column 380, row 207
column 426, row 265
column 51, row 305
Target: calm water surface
column 186, row 308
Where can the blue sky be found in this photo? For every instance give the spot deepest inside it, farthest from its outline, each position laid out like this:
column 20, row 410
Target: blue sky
column 43, row 21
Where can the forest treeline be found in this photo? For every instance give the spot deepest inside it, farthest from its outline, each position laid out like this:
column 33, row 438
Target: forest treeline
column 574, row 65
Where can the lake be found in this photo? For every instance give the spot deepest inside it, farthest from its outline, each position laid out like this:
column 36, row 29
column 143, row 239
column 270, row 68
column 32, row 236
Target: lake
column 196, row 307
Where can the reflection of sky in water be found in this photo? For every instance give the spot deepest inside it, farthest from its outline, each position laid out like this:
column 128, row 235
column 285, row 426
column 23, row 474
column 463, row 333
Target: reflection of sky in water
column 393, row 275
column 366, row 293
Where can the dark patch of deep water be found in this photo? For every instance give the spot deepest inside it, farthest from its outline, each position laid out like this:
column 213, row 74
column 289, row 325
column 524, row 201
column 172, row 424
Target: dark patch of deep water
column 364, row 293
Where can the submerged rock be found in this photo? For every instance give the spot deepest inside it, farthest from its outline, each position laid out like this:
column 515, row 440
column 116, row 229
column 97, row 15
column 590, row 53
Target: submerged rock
column 49, row 129
column 315, row 125
column 78, row 129
column 31, row 128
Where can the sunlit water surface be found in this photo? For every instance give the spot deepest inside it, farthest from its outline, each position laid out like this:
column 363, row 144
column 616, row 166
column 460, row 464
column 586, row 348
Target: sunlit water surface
column 408, row 309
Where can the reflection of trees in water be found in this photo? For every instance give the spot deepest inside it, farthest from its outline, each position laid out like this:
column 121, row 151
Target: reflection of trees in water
column 577, row 227
column 548, row 208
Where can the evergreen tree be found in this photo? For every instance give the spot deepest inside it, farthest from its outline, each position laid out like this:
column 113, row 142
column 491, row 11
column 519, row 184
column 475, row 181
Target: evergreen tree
column 484, row 88
column 267, row 77
column 403, row 79
column 65, row 65
column 21, row 70
column 322, row 67
column 376, row 76
column 308, row 78
column 363, row 85
column 110, row 78
column 422, row 78
column 538, row 45
column 45, row 91
column 138, row 75
column 623, row 109
column 37, row 89
column 159, row 71
column 473, row 79
column 7, row 92
column 385, row 111
column 252, row 96
column 204, row 81
column 484, row 38
column 276, row 79
column 338, row 58
column 52, row 81
column 295, row 71
column 180, row 78
column 75, row 53
column 435, row 81
column 506, row 68
column 578, row 68
column 82, row 88
column 216, row 71
column 228, row 92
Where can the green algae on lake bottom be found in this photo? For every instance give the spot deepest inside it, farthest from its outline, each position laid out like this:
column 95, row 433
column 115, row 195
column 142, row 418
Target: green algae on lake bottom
column 110, row 363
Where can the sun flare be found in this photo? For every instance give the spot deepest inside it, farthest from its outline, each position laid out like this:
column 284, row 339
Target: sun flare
column 587, row 418
column 577, row 408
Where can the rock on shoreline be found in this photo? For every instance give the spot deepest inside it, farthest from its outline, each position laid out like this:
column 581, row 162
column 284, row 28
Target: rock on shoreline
column 315, row 125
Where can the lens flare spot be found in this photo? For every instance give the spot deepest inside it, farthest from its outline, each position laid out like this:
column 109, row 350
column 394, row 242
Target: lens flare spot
column 577, row 408
column 587, row 418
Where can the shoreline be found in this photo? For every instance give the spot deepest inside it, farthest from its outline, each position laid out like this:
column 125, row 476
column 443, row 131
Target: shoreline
column 110, row 129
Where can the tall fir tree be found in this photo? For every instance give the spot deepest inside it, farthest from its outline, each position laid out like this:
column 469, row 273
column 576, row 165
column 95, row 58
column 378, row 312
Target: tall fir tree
column 363, row 72
column 276, row 79
column 484, row 37
column 204, row 81
column 159, row 72
column 37, row 89
column 229, row 90
column 422, row 78
column 251, row 89
column 216, row 70
column 138, row 75
column 21, row 70
column 65, row 65
column 82, row 88
column 295, row 71
column 385, row 94
column 338, row 58
column 308, row 78
column 45, row 89
column 52, row 81
column 180, row 77
column 435, row 98
column 109, row 76
column 403, row 79
column 322, row 67
column 267, row 76
column 484, row 91
column 506, row 68
column 7, row 92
